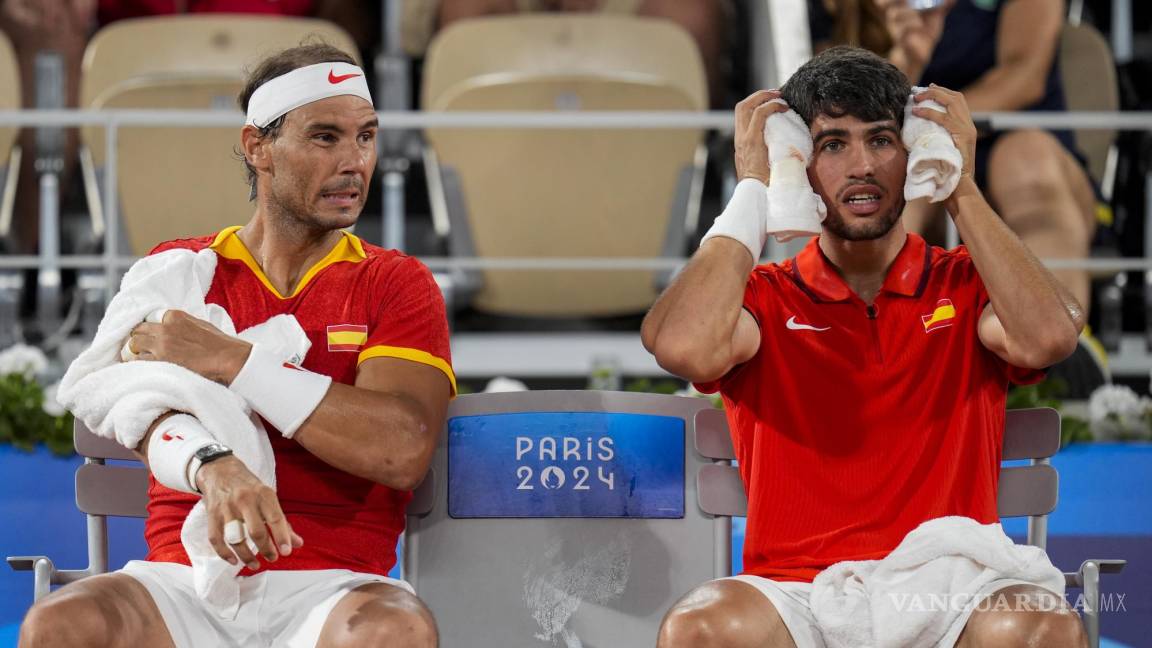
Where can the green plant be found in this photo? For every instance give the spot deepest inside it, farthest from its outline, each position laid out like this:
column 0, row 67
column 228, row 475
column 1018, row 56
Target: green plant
column 23, row 420
column 1048, row 394
column 649, row 386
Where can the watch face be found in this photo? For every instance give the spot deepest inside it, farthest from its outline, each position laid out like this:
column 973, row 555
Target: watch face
column 212, row 451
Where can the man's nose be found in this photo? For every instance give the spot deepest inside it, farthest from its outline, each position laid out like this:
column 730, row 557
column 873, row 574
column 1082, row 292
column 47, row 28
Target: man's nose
column 862, row 162
column 355, row 158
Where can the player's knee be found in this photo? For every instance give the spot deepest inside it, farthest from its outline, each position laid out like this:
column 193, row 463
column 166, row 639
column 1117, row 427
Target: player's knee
column 1025, row 167
column 64, row 619
column 712, row 627
column 390, row 623
column 1023, row 629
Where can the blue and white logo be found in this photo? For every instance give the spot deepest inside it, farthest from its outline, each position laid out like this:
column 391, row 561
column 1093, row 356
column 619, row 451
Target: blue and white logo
column 566, row 464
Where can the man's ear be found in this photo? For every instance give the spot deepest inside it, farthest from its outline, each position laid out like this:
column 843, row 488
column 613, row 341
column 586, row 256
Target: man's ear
column 256, row 148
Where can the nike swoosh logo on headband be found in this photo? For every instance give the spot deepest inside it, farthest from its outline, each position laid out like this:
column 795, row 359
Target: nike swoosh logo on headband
column 334, row 79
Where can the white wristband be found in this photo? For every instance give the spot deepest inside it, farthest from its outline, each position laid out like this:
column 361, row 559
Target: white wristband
column 284, row 397
column 745, row 219
column 173, row 444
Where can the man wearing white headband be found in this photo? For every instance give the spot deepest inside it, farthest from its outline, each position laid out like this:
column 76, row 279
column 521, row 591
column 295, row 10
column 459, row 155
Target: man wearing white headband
column 352, row 421
column 864, row 383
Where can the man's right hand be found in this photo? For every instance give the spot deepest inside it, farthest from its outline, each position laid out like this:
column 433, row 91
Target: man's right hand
column 232, row 492
column 751, row 150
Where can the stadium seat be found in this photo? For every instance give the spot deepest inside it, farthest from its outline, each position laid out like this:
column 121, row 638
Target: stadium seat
column 9, row 149
column 1086, row 66
column 521, row 548
column 508, row 192
column 11, row 281
column 1030, row 490
column 176, row 182
column 118, row 490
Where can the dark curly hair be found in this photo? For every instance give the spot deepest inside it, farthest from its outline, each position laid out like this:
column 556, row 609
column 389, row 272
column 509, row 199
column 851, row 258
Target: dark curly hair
column 848, row 80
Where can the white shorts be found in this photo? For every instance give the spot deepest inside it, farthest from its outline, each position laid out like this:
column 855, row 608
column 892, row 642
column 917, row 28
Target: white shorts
column 791, row 601
column 285, row 609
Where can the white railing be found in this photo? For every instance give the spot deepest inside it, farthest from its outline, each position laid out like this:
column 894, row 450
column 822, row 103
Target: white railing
column 112, row 120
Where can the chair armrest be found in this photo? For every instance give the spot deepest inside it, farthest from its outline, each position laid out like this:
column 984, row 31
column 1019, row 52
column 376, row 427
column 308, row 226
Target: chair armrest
column 43, row 569
column 1103, row 566
column 1088, row 578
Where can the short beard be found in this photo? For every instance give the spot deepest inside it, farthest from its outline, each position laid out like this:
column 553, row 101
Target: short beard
column 838, row 226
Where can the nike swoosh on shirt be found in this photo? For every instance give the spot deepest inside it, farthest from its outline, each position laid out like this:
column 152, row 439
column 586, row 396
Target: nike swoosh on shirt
column 333, row 78
column 796, row 326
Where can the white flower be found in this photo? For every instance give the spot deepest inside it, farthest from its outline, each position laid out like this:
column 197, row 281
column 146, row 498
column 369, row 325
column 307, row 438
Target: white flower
column 22, row 359
column 52, row 407
column 1115, row 411
column 502, row 384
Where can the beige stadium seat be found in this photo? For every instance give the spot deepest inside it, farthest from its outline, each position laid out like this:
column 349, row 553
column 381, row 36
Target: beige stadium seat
column 178, row 182
column 556, row 192
column 9, row 149
column 1089, row 76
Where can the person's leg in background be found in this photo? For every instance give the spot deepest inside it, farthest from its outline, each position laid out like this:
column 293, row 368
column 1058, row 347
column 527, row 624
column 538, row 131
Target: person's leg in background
column 33, row 26
column 1044, row 195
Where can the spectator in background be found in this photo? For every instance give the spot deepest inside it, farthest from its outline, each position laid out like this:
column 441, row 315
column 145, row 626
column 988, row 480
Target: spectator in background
column 1002, row 55
column 357, row 17
column 706, row 20
column 64, row 26
column 33, row 26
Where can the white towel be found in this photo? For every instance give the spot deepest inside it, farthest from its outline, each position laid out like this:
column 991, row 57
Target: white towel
column 793, row 208
column 869, row 604
column 934, row 162
column 121, row 400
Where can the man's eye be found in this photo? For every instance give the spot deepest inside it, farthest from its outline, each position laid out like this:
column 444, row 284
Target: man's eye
column 324, row 137
column 367, row 136
column 882, row 141
column 833, row 146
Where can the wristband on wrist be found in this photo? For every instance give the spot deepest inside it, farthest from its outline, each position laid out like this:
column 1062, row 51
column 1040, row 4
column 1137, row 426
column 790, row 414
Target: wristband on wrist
column 171, row 449
column 284, row 396
column 745, row 219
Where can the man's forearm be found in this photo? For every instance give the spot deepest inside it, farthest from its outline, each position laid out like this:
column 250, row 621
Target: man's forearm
column 385, row 437
column 1033, row 308
column 1006, row 88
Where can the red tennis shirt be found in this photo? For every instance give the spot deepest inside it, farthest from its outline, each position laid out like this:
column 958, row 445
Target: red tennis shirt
column 357, row 303
column 853, row 424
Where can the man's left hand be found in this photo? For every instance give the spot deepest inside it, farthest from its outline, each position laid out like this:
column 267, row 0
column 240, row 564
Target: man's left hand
column 191, row 343
column 957, row 121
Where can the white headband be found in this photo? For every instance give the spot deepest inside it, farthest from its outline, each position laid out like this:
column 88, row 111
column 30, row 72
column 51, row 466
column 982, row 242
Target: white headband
column 303, row 86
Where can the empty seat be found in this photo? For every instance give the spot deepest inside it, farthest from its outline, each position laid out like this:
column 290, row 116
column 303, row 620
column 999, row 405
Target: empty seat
column 508, row 192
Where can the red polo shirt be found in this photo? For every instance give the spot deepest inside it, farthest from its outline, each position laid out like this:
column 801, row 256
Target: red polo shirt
column 853, row 424
column 357, row 303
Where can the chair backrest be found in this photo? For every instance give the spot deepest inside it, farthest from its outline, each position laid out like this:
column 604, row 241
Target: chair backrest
column 557, row 192
column 178, row 182
column 1023, row 490
column 108, row 490
column 9, row 100
column 566, row 517
column 1089, row 76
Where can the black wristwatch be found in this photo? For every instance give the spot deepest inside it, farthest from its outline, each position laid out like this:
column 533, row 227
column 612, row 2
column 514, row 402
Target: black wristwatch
column 207, row 454
column 212, row 452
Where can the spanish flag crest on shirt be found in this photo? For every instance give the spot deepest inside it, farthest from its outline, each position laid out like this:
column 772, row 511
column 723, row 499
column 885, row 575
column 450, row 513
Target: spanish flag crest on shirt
column 347, row 337
column 940, row 318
